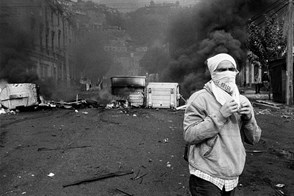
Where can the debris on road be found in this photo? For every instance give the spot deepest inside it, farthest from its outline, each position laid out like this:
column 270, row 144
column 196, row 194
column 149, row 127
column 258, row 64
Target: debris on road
column 2, row 111
column 123, row 192
column 183, row 107
column 277, row 191
column 280, row 185
column 119, row 103
column 289, row 155
column 265, row 111
column 254, row 151
column 59, row 148
column 101, row 177
column 163, row 141
column 7, row 111
column 45, row 134
column 141, row 176
column 137, row 174
column 51, row 175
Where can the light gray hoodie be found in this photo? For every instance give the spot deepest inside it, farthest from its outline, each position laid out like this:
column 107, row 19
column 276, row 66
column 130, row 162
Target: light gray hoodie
column 216, row 143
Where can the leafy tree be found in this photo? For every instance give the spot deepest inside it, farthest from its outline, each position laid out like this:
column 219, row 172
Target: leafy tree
column 266, row 42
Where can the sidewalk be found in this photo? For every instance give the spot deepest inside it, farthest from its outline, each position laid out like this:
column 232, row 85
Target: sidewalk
column 250, row 94
column 262, row 100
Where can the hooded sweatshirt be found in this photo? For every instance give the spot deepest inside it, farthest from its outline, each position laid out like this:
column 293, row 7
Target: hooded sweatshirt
column 216, row 143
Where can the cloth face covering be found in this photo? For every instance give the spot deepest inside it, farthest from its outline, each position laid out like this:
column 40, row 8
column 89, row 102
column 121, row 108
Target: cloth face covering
column 225, row 80
column 223, row 84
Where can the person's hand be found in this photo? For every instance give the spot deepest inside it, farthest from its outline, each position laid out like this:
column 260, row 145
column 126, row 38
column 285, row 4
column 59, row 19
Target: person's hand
column 229, row 108
column 245, row 111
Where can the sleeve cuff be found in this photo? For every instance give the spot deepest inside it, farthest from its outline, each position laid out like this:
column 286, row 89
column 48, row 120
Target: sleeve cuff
column 245, row 119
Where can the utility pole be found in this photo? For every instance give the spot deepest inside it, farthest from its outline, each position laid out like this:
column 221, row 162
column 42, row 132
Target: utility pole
column 289, row 72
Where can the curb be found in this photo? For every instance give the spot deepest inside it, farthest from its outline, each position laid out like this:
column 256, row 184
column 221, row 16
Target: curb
column 272, row 105
column 265, row 106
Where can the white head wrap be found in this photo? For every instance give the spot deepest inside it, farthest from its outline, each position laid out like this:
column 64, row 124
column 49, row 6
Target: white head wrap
column 213, row 62
column 220, row 95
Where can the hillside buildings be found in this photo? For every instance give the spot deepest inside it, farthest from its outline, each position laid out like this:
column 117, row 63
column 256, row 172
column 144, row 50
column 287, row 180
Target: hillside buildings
column 56, row 27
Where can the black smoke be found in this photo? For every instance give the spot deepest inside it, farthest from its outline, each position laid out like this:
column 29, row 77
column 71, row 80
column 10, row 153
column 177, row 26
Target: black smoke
column 15, row 46
column 92, row 60
column 210, row 27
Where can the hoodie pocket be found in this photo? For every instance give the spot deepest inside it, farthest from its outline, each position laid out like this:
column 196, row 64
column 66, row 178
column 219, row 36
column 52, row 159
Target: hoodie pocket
column 207, row 147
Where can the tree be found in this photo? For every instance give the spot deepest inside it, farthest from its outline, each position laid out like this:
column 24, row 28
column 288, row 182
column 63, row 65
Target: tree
column 268, row 42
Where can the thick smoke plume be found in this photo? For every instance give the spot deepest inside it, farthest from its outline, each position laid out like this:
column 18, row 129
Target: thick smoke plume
column 92, row 61
column 15, row 44
column 211, row 27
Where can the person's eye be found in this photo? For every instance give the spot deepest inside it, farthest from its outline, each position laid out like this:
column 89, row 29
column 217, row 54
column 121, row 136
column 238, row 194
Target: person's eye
column 226, row 69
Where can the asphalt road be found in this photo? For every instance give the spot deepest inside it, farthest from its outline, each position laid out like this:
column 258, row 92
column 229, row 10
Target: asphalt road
column 43, row 151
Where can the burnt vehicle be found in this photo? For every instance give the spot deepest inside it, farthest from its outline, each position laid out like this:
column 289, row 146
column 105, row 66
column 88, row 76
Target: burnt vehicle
column 130, row 88
column 13, row 96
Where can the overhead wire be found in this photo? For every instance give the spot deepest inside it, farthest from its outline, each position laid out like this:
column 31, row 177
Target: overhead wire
column 274, row 13
column 270, row 12
column 269, row 8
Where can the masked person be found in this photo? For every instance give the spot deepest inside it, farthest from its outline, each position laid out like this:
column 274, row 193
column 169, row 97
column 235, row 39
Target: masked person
column 216, row 122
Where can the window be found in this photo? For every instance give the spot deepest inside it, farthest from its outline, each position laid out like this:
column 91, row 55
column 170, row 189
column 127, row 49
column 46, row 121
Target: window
column 52, row 40
column 41, row 36
column 52, row 22
column 58, row 22
column 59, row 36
column 47, row 40
column 33, row 22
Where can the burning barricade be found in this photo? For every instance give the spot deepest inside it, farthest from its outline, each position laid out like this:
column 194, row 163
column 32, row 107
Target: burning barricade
column 130, row 88
column 153, row 95
column 125, row 92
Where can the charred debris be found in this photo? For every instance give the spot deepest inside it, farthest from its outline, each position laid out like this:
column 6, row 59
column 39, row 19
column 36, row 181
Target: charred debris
column 125, row 92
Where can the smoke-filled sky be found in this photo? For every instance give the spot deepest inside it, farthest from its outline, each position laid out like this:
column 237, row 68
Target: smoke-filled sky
column 211, row 27
column 131, row 5
column 182, row 2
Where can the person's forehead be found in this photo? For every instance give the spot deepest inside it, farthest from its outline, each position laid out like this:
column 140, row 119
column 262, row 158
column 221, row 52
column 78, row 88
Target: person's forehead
column 225, row 64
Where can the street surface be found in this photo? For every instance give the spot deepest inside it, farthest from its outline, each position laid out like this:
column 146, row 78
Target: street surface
column 42, row 151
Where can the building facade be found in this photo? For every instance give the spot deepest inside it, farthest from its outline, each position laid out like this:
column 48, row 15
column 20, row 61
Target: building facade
column 52, row 35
